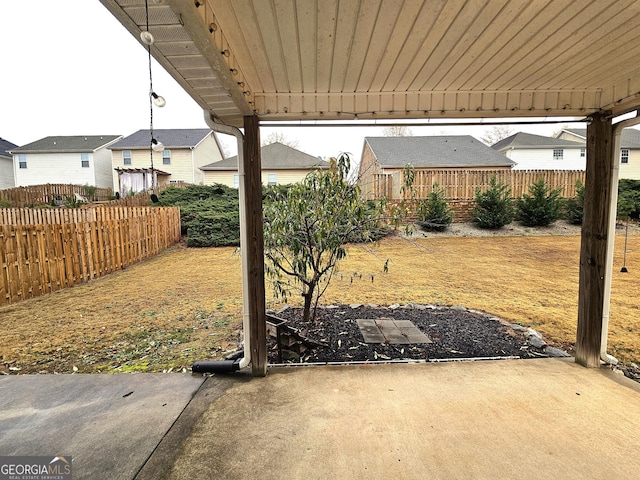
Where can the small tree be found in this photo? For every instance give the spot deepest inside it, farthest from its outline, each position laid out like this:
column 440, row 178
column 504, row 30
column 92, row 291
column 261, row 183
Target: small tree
column 541, row 207
column 307, row 227
column 574, row 209
column 493, row 208
column 434, row 213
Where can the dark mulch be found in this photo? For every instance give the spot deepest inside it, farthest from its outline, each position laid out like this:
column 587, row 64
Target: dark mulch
column 456, row 333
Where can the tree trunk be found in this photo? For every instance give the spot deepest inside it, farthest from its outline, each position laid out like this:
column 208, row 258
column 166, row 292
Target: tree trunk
column 308, row 298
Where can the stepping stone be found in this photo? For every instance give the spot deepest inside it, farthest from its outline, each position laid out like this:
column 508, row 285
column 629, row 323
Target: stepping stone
column 394, row 332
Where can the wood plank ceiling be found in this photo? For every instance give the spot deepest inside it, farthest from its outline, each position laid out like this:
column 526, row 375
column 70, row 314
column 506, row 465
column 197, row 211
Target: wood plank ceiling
column 396, row 59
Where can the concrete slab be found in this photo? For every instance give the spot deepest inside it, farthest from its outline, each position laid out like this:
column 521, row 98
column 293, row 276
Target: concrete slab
column 524, row 419
column 109, row 424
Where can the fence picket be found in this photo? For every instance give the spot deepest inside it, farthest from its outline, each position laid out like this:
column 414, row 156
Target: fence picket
column 42, row 251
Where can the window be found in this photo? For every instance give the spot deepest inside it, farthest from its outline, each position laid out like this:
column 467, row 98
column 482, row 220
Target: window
column 166, row 157
column 583, row 152
column 272, row 179
column 236, row 181
column 84, row 159
column 624, row 155
column 22, row 160
column 126, row 157
column 558, row 153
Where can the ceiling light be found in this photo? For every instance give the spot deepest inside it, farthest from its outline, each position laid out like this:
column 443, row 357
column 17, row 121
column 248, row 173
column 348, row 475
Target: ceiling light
column 146, row 37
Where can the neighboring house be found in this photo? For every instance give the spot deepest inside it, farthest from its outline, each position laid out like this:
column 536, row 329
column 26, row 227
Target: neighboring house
column 536, row 152
column 77, row 160
column 629, row 149
column 388, row 155
column 281, row 165
column 185, row 151
column 6, row 164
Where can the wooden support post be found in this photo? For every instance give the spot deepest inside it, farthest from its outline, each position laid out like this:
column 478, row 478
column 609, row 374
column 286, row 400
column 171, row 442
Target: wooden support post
column 255, row 247
column 593, row 250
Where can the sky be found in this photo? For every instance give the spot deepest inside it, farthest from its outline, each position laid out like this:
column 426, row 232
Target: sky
column 70, row 68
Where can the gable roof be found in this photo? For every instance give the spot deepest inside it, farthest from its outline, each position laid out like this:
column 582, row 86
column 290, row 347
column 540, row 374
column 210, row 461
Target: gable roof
column 434, row 152
column 170, row 138
column 529, row 140
column 5, row 147
column 630, row 137
column 275, row 156
column 73, row 144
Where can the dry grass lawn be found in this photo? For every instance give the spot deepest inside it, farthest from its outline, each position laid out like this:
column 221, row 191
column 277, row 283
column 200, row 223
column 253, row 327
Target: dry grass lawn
column 185, row 304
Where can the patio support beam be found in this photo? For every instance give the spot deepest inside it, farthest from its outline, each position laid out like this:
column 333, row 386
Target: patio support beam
column 593, row 249
column 255, row 245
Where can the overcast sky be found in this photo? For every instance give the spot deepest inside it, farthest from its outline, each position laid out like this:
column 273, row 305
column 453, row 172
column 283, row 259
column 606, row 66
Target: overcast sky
column 70, row 68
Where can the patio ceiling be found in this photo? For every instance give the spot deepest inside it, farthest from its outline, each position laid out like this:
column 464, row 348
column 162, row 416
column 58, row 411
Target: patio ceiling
column 396, row 59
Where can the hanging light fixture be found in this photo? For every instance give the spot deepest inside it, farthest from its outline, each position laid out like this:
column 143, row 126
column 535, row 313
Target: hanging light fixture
column 158, row 100
column 156, row 145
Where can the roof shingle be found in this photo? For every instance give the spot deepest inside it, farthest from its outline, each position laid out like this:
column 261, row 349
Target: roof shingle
column 275, row 156
column 61, row 144
column 457, row 151
column 170, row 138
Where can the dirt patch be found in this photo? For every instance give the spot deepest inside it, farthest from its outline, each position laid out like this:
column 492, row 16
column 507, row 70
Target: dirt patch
column 456, row 333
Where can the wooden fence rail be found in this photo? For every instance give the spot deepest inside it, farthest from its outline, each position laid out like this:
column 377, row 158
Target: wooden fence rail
column 39, row 258
column 21, row 197
column 461, row 184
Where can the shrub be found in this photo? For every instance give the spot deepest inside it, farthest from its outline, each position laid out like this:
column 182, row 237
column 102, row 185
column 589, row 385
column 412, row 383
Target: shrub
column 209, row 214
column 433, row 212
column 5, row 203
column 541, row 207
column 628, row 198
column 574, row 208
column 493, row 208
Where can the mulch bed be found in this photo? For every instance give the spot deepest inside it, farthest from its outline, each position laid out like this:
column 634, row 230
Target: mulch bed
column 456, row 332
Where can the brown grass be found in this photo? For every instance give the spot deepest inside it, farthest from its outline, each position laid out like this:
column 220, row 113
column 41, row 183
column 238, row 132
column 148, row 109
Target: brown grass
column 185, row 304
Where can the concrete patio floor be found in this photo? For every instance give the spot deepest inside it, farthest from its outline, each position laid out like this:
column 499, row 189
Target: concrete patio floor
column 511, row 419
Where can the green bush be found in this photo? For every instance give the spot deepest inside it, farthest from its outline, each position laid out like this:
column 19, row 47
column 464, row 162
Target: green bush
column 433, row 212
column 541, row 207
column 5, row 203
column 212, row 229
column 493, row 208
column 574, row 207
column 209, row 214
column 628, row 198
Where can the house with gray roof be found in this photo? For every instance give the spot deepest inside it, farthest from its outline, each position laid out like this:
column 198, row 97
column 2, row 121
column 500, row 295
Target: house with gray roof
column 137, row 168
column 281, row 165
column 537, row 152
column 6, row 164
column 77, row 160
column 629, row 149
column 388, row 156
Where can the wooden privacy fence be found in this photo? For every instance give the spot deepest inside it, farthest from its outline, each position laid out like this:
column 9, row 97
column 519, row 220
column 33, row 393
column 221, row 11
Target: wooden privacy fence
column 21, row 197
column 461, row 184
column 63, row 250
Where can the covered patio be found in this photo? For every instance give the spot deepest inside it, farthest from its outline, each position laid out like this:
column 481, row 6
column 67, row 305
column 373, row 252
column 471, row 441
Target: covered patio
column 250, row 62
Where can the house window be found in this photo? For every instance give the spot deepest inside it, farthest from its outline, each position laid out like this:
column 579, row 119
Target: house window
column 166, row 157
column 22, row 160
column 236, row 181
column 84, row 159
column 126, row 157
column 558, row 153
column 272, row 179
column 624, row 155
column 583, row 152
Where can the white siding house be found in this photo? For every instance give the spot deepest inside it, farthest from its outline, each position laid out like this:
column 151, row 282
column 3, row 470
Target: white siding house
column 185, row 151
column 629, row 149
column 281, row 165
column 6, row 164
column 536, row 152
column 77, row 160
